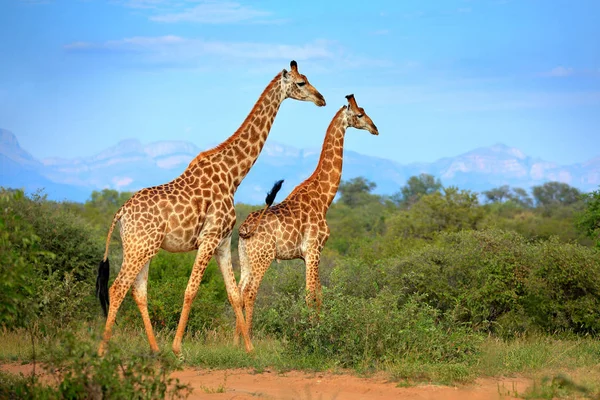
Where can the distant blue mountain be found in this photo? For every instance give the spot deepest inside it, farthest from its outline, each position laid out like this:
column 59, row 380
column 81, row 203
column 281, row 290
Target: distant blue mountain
column 131, row 165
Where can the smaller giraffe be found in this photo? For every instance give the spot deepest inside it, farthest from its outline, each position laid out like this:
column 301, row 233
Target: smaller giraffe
column 297, row 227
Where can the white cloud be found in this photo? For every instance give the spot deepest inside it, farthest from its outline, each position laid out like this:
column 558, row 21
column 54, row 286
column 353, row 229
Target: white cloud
column 173, row 51
column 213, row 12
column 176, row 49
column 120, row 182
column 559, row 71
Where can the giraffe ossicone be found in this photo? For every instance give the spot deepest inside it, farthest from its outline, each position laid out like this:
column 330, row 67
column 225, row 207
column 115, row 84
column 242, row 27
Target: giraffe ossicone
column 194, row 212
column 297, row 227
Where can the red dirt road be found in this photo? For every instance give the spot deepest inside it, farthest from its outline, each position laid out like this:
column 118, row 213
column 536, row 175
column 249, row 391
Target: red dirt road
column 241, row 384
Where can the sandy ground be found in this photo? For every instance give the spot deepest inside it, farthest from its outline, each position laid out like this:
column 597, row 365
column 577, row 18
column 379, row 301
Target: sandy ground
column 242, row 384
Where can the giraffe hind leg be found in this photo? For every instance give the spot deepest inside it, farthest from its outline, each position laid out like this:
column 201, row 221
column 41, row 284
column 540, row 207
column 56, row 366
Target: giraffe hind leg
column 250, row 291
column 245, row 277
column 129, row 271
column 223, row 257
column 139, row 292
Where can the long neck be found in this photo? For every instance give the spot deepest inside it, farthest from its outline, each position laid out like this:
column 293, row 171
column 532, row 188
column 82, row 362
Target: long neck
column 239, row 152
column 328, row 173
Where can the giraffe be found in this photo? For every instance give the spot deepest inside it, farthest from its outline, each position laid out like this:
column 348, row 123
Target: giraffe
column 297, row 227
column 194, row 211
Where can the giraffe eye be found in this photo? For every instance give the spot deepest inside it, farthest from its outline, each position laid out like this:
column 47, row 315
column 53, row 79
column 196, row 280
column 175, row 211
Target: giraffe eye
column 360, row 115
column 300, row 83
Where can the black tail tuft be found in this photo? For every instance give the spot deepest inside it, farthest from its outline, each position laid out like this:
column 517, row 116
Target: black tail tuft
column 102, row 285
column 273, row 192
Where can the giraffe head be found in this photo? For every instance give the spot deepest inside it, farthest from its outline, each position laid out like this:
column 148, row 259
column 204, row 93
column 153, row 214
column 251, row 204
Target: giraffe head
column 357, row 118
column 296, row 86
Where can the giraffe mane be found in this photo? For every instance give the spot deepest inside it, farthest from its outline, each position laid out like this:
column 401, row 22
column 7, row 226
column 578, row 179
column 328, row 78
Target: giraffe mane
column 230, row 139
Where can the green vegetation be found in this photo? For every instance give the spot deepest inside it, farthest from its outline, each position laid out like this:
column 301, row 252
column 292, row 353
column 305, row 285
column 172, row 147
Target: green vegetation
column 431, row 284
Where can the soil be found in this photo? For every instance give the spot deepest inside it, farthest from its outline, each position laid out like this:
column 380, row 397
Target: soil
column 241, row 384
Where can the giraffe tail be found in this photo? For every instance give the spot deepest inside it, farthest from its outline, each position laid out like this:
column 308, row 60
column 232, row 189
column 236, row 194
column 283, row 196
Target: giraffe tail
column 244, row 231
column 104, row 269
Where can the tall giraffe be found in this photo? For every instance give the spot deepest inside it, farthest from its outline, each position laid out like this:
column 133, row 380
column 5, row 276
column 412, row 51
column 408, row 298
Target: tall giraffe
column 194, row 212
column 297, row 227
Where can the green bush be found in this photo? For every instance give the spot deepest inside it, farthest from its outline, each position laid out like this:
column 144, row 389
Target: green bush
column 56, row 252
column 450, row 211
column 498, row 281
column 19, row 254
column 563, row 289
column 79, row 373
column 359, row 332
column 588, row 219
column 474, row 275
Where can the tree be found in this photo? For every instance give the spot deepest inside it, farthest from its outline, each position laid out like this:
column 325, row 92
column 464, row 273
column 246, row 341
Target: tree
column 356, row 191
column 520, row 197
column 588, row 221
column 101, row 207
column 497, row 195
column 452, row 211
column 555, row 193
column 416, row 187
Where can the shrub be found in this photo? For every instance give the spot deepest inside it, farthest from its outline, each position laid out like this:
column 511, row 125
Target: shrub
column 359, row 332
column 78, row 373
column 55, row 252
column 19, row 252
column 563, row 290
column 497, row 281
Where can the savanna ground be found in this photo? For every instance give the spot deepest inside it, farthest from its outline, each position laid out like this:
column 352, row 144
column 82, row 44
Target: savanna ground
column 432, row 293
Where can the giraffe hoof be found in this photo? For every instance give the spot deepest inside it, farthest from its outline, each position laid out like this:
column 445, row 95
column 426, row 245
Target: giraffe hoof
column 180, row 357
column 249, row 348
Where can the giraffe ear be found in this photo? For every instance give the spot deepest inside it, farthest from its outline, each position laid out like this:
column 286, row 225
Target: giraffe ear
column 352, row 102
column 284, row 73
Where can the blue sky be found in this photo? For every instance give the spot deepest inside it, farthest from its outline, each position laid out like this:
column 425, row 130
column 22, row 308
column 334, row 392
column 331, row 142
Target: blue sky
column 437, row 77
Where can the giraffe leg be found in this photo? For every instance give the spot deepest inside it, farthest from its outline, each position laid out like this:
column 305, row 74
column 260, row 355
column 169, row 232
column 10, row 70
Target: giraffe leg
column 139, row 292
column 128, row 273
column 245, row 275
column 223, row 257
column 250, row 291
column 208, row 244
column 313, row 283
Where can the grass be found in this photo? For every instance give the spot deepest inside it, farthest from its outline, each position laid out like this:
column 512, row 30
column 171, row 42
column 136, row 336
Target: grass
column 558, row 365
column 535, row 353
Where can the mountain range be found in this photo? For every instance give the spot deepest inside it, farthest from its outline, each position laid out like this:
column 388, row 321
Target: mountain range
column 131, row 165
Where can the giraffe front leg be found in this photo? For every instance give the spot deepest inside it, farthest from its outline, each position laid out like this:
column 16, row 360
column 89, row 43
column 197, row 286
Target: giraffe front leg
column 139, row 292
column 205, row 252
column 223, row 257
column 313, row 283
